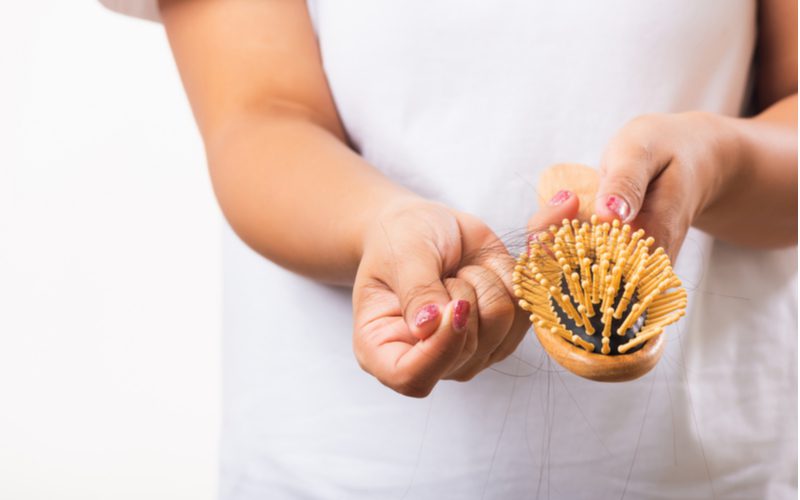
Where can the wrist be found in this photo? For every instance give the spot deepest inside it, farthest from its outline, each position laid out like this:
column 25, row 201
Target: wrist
column 724, row 162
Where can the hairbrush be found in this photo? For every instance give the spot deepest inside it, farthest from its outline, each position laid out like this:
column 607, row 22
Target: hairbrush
column 598, row 295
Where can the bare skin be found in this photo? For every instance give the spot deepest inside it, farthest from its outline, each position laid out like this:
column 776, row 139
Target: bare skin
column 735, row 178
column 293, row 189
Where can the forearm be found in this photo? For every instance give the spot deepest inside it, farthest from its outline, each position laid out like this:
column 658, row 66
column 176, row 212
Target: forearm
column 295, row 193
column 280, row 166
column 753, row 200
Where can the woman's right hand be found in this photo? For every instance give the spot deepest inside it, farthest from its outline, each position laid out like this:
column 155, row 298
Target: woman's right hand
column 432, row 297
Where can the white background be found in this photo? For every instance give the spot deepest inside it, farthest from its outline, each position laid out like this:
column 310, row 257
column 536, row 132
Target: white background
column 109, row 264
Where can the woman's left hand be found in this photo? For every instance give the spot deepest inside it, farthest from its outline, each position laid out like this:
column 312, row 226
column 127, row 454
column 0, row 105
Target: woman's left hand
column 661, row 171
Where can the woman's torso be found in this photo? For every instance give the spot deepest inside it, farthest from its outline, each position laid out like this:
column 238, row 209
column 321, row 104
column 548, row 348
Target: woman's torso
column 466, row 102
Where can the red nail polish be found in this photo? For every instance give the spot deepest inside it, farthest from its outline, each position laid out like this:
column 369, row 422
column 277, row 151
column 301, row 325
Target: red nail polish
column 534, row 239
column 426, row 315
column 619, row 206
column 559, row 198
column 460, row 314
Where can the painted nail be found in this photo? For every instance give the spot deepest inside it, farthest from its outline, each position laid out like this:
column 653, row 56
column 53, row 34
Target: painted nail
column 426, row 315
column 460, row 315
column 559, row 198
column 534, row 238
column 619, row 206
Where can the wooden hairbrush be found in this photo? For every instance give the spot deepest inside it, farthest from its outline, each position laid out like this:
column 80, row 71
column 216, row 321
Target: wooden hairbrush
column 599, row 298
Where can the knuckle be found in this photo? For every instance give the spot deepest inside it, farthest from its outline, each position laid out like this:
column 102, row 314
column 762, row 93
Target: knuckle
column 501, row 308
column 494, row 301
column 643, row 152
column 465, row 376
column 470, row 347
column 629, row 185
column 631, row 134
column 509, row 345
column 360, row 359
column 467, row 373
column 366, row 334
column 419, row 296
column 490, row 343
column 676, row 235
column 412, row 388
column 500, row 355
column 672, row 230
column 645, row 122
column 366, row 290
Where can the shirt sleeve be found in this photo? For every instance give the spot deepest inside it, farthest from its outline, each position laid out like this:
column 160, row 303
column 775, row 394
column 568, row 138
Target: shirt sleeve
column 145, row 9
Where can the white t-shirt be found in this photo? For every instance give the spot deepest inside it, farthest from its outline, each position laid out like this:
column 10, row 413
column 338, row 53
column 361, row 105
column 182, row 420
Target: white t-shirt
column 431, row 90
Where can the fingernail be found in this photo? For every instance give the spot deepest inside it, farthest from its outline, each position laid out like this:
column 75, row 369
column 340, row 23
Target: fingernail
column 559, row 198
column 460, row 314
column 534, row 239
column 619, row 206
column 426, row 315
column 542, row 237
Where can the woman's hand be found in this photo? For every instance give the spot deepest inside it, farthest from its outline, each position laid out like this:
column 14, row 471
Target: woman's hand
column 663, row 171
column 432, row 297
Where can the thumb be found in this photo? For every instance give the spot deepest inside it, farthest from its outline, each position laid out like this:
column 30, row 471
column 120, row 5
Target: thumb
column 415, row 370
column 417, row 282
column 563, row 205
column 625, row 172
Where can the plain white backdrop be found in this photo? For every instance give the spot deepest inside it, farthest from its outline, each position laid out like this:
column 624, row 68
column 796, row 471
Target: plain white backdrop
column 109, row 264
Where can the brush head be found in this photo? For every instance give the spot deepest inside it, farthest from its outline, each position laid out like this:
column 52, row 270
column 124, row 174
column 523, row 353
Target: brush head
column 599, row 298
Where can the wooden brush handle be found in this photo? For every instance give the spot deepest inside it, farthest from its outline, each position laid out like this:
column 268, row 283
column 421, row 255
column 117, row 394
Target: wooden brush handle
column 599, row 367
column 580, row 179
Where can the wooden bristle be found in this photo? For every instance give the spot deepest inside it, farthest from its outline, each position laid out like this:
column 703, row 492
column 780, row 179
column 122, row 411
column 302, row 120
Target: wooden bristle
column 582, row 343
column 577, row 279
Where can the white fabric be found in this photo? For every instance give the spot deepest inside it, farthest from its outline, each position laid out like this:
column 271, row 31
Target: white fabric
column 146, row 9
column 466, row 102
